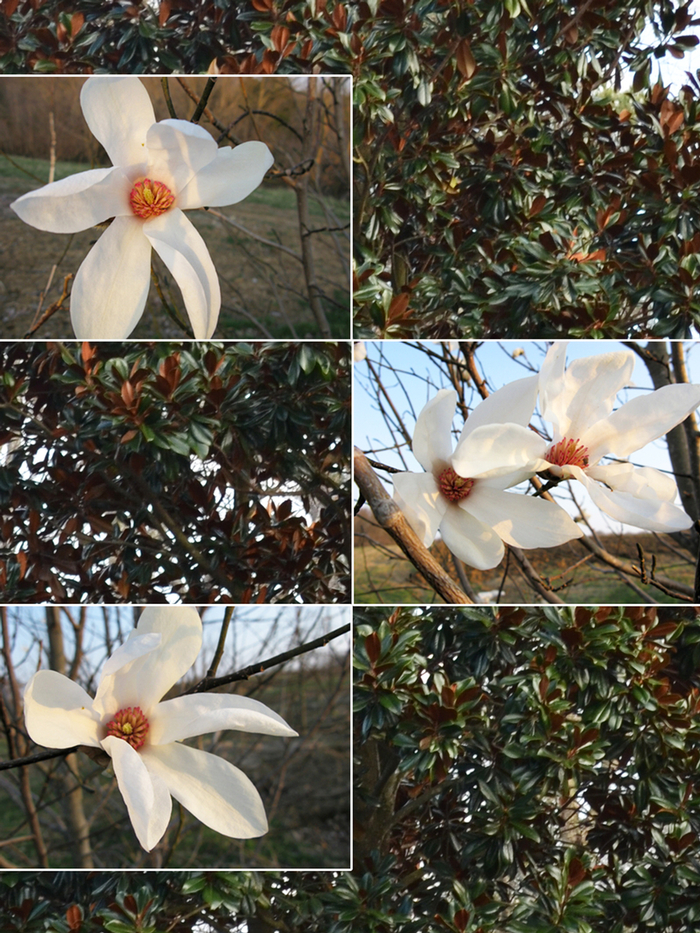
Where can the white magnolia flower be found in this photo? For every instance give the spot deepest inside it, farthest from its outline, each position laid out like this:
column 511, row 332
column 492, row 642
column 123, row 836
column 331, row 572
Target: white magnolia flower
column 461, row 494
column 142, row 733
column 159, row 170
column 578, row 401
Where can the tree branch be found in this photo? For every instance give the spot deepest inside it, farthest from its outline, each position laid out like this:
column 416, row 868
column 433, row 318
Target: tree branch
column 393, row 521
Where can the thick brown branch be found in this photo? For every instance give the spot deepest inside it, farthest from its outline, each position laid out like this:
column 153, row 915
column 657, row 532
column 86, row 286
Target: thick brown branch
column 393, row 521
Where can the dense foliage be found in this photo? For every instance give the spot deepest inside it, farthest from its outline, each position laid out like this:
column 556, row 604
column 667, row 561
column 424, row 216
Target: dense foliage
column 136, row 471
column 504, row 188
column 531, row 769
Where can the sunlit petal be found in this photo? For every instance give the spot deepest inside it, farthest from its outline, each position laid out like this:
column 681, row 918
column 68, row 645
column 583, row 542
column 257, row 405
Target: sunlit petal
column 76, row 202
column 641, row 420
column 147, row 678
column 228, row 178
column 145, row 794
column 470, row 539
column 197, row 714
column 177, row 150
column 500, row 449
column 214, row 791
column 185, row 253
column 585, row 393
column 651, row 514
column 119, row 112
column 523, row 521
column 418, row 497
column 58, row 713
column 111, row 286
column 514, row 403
column 432, row 435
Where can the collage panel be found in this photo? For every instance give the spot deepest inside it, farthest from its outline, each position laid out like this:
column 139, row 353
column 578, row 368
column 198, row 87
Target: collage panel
column 150, row 768
column 523, row 566
column 529, row 768
column 181, row 207
column 524, row 472
column 139, row 472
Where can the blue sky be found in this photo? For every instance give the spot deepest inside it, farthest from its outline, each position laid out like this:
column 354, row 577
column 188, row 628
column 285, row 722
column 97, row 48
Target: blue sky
column 415, row 378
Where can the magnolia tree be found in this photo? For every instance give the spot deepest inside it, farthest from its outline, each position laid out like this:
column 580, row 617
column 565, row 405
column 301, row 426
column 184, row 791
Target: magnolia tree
column 127, row 690
column 527, row 769
column 290, row 273
column 546, row 463
column 154, row 473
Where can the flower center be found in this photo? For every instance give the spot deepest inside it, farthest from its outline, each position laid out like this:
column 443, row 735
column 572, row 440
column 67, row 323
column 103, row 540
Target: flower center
column 150, row 198
column 568, row 452
column 454, row 487
column 131, row 725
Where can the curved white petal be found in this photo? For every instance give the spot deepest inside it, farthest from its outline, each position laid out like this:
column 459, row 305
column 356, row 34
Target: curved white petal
column 513, row 403
column 119, row 113
column 131, row 649
column 185, row 254
column 76, row 202
column 111, row 286
column 418, row 497
column 196, row 714
column 643, row 482
column 177, row 150
column 522, row 521
column 432, row 435
column 641, row 420
column 651, row 514
column 214, row 791
column 585, row 393
column 58, row 713
column 228, row 178
column 498, row 450
column 470, row 539
column 149, row 676
column 145, row 794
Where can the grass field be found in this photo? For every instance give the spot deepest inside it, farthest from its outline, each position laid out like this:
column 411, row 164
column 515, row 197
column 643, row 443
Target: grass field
column 384, row 575
column 263, row 287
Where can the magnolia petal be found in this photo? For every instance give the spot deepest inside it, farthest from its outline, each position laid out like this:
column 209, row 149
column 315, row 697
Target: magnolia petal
column 185, row 254
column 641, row 420
column 513, row 403
column 522, row 521
column 228, row 178
column 196, row 714
column 111, row 286
column 420, row 500
column 470, row 539
column 145, row 794
column 58, row 713
column 76, row 202
column 133, row 648
column 177, row 150
column 583, row 394
column 148, row 677
column 432, row 435
column 214, row 791
column 650, row 514
column 643, row 482
column 119, row 112
column 499, row 449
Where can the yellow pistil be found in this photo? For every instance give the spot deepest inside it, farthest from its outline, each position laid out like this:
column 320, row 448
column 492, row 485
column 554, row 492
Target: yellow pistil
column 150, row 198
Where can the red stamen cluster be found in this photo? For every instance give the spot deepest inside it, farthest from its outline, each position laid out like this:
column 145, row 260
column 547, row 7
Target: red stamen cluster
column 150, row 198
column 568, row 452
column 131, row 725
column 454, row 487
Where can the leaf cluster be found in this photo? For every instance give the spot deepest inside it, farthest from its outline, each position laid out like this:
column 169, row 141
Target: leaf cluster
column 215, row 473
column 545, row 763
